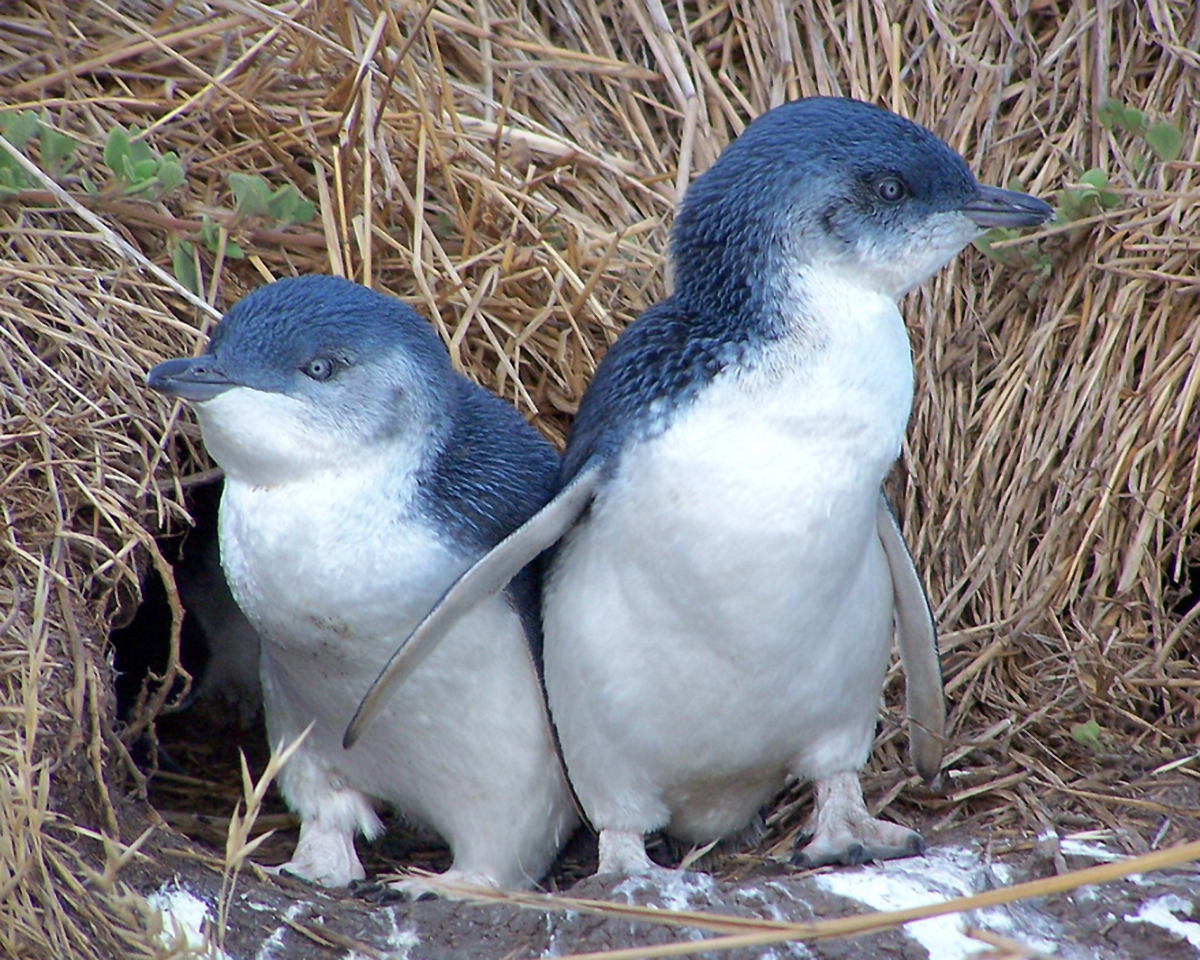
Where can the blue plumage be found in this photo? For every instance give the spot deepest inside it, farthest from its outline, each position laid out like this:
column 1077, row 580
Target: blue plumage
column 801, row 189
column 726, row 580
column 363, row 475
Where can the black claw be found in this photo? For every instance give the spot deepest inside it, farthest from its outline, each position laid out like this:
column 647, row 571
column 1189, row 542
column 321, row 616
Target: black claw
column 383, row 895
column 856, row 854
column 375, row 892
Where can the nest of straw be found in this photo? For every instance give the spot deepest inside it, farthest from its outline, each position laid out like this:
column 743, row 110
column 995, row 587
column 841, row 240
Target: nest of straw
column 510, row 169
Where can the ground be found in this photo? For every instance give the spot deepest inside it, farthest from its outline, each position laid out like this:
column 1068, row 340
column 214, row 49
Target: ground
column 1148, row 917
column 1139, row 917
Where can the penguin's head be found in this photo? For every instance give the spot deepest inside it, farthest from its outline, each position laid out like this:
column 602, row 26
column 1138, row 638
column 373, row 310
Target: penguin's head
column 837, row 184
column 312, row 372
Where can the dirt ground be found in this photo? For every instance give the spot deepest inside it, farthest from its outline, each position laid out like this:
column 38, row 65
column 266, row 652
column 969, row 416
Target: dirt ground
column 1138, row 918
column 1147, row 917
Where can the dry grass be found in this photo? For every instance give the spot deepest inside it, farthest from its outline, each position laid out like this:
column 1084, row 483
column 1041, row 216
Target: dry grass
column 510, row 169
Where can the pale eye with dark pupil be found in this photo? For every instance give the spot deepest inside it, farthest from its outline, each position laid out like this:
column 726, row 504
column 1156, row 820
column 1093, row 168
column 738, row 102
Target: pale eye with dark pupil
column 890, row 189
column 319, row 369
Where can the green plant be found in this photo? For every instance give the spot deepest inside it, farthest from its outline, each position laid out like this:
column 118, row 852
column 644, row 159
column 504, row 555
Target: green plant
column 1164, row 139
column 1092, row 193
column 137, row 169
column 183, row 263
column 1090, row 197
column 253, row 197
column 22, row 128
column 1089, row 735
column 183, row 253
column 1025, row 256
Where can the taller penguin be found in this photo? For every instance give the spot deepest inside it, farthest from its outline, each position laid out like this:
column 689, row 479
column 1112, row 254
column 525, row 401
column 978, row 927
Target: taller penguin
column 719, row 611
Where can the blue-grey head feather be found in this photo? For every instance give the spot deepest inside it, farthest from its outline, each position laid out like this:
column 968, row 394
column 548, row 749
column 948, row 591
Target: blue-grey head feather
column 817, row 183
column 268, row 337
column 369, row 366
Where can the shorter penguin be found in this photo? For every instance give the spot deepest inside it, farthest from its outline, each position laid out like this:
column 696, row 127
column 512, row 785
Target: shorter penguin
column 362, row 477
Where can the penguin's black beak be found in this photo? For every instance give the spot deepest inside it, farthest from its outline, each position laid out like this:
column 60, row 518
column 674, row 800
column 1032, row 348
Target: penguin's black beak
column 189, row 378
column 993, row 207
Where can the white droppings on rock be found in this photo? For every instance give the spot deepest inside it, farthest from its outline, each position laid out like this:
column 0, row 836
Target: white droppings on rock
column 1089, row 849
column 401, row 940
column 267, row 951
column 675, row 888
column 184, row 918
column 940, row 875
column 678, row 889
column 1164, row 912
column 795, row 950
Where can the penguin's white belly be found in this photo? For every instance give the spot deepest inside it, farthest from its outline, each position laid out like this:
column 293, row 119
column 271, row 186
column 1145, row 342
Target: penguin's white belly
column 723, row 616
column 333, row 585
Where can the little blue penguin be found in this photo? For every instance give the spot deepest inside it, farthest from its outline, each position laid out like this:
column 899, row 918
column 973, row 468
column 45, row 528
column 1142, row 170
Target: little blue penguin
column 719, row 609
column 363, row 475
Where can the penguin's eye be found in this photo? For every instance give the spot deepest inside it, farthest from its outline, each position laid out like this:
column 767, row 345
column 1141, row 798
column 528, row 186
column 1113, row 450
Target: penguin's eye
column 319, row 368
column 891, row 189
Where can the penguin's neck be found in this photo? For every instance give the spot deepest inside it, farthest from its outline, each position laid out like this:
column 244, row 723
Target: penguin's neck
column 833, row 367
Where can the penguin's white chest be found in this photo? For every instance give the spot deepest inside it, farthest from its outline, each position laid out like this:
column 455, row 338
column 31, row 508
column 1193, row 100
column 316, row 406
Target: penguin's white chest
column 724, row 613
column 330, row 568
column 758, row 504
column 333, row 580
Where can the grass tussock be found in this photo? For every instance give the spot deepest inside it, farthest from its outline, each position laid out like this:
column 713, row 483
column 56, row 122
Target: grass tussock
column 510, row 169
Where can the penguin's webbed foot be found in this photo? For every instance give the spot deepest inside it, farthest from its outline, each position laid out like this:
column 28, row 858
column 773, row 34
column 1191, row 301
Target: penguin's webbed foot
column 324, row 856
column 623, row 853
column 419, row 887
column 873, row 840
column 843, row 832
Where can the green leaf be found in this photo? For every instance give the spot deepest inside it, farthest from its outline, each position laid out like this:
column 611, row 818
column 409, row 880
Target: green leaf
column 1076, row 203
column 139, row 150
column 210, row 236
column 11, row 178
column 57, row 150
column 986, row 245
column 1111, row 113
column 1089, row 735
column 140, row 171
column 210, row 233
column 305, row 211
column 19, row 128
column 116, row 152
column 252, row 194
column 170, row 175
column 288, row 206
column 1165, row 140
column 183, row 260
column 283, row 203
column 1114, row 115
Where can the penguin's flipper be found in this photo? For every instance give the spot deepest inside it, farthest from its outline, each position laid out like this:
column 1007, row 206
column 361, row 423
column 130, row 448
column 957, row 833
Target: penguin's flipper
column 916, row 639
column 483, row 578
